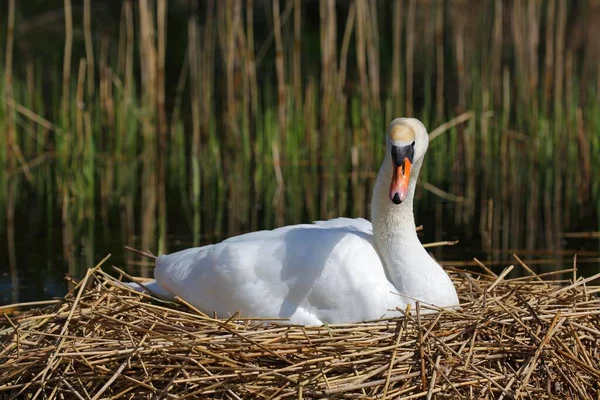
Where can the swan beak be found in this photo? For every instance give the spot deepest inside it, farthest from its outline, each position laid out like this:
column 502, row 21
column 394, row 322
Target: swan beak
column 400, row 179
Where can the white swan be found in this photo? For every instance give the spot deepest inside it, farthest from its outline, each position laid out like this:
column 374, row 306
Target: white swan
column 336, row 271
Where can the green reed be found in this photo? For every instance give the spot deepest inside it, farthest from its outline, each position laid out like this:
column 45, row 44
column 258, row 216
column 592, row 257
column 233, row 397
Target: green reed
column 256, row 136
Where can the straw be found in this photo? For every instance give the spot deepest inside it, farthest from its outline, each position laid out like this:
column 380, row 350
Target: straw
column 527, row 337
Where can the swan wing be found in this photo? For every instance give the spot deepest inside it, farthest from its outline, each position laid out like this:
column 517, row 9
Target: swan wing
column 359, row 224
column 323, row 272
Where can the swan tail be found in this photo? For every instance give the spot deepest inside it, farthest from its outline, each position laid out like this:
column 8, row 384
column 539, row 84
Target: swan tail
column 154, row 288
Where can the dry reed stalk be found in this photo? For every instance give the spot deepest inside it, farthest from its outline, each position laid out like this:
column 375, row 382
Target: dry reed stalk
column 582, row 235
column 350, row 21
column 559, row 54
column 181, row 84
column 79, row 94
column 229, row 14
column 194, row 60
column 328, row 36
column 161, row 12
column 251, row 64
column 519, row 22
column 149, row 72
column 460, row 119
column 510, row 338
column 497, row 41
column 208, row 91
column 362, row 64
column 41, row 136
column 279, row 199
column 11, row 142
column 31, row 115
column 66, row 76
column 278, row 196
column 89, row 48
column 106, row 86
column 583, row 190
column 549, row 53
column 396, row 56
column 310, row 128
column 127, row 211
column 107, row 110
column 410, row 49
column 251, row 104
column 64, row 184
column 122, row 41
column 533, row 42
column 439, row 58
column 296, row 56
column 280, row 69
column 559, row 137
column 372, row 41
column 484, row 193
column 329, row 87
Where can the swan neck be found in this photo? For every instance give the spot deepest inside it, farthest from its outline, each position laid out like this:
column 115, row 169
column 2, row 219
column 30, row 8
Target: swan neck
column 394, row 230
column 393, row 223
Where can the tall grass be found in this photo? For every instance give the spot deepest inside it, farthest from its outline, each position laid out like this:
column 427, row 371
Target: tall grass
column 263, row 129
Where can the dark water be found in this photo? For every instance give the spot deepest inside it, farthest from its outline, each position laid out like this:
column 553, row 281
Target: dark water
column 42, row 267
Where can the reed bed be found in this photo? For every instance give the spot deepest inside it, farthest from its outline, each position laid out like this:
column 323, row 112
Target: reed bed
column 519, row 337
column 181, row 106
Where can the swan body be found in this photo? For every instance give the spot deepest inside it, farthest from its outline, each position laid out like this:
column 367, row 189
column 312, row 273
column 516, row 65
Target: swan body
column 337, row 271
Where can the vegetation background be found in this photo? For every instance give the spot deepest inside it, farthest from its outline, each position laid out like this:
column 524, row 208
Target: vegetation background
column 170, row 123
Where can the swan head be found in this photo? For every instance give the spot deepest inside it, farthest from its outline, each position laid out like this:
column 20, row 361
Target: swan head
column 407, row 142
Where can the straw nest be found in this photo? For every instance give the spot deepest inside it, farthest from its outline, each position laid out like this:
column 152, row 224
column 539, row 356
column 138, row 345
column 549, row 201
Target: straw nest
column 521, row 337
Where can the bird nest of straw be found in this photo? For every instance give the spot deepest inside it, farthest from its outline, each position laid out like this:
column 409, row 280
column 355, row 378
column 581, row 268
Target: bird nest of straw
column 512, row 337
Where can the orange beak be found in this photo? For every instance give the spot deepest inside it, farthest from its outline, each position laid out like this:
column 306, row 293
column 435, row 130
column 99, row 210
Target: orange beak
column 400, row 179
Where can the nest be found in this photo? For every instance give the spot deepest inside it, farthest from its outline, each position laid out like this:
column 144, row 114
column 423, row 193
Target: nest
column 521, row 337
